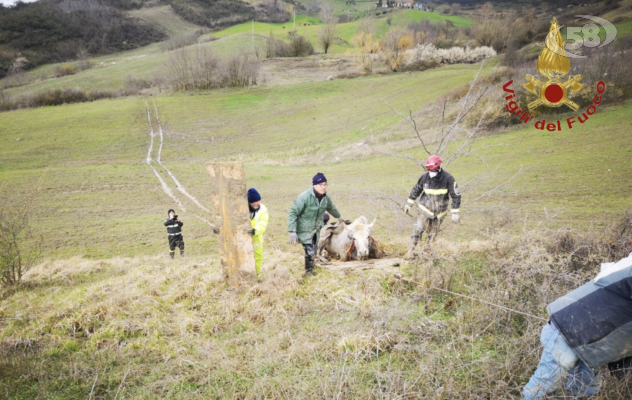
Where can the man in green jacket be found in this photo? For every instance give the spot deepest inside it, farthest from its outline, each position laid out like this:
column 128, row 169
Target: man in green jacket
column 306, row 216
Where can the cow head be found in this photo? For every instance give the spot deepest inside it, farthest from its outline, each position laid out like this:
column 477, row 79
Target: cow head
column 359, row 232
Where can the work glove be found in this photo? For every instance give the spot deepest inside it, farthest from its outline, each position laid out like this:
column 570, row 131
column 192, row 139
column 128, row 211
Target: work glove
column 251, row 232
column 408, row 208
column 216, row 231
column 293, row 237
column 455, row 217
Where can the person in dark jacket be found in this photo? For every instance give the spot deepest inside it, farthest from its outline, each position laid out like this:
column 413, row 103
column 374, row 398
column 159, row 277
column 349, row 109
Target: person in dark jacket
column 174, row 230
column 306, row 217
column 589, row 327
column 436, row 187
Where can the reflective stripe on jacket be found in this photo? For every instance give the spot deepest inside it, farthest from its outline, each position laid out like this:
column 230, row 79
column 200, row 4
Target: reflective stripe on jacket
column 174, row 227
column 435, row 194
column 260, row 223
column 306, row 215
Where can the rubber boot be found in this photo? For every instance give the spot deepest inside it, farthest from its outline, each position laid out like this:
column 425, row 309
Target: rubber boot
column 411, row 248
column 182, row 253
column 309, row 268
column 172, row 254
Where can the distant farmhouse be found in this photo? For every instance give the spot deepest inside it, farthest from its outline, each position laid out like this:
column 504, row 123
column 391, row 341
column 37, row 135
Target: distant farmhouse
column 403, row 4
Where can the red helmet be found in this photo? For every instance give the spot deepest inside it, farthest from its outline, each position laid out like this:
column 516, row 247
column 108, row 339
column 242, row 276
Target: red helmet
column 433, row 163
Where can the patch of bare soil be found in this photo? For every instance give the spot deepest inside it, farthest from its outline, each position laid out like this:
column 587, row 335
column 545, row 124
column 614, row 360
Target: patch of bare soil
column 280, row 71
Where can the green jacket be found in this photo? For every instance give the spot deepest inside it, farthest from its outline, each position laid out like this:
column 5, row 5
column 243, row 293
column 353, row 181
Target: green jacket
column 306, row 215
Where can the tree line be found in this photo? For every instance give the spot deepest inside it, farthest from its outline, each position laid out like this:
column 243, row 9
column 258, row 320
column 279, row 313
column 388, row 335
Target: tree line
column 55, row 31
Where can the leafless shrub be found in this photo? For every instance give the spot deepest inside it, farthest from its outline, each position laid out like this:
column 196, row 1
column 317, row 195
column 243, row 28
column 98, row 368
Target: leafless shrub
column 5, row 99
column 327, row 31
column 442, row 34
column 134, row 84
column 239, row 70
column 490, row 28
column 192, row 69
column 19, row 247
column 83, row 58
column 298, row 46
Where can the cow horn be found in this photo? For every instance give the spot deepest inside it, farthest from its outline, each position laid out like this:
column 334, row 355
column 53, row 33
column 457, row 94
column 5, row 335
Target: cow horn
column 372, row 223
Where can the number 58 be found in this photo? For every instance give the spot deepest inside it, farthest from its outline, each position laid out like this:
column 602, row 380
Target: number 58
column 587, row 35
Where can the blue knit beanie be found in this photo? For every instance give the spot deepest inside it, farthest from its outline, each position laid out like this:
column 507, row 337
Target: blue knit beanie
column 253, row 195
column 318, row 178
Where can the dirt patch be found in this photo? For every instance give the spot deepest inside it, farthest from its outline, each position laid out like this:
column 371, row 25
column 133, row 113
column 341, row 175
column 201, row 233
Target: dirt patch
column 279, row 71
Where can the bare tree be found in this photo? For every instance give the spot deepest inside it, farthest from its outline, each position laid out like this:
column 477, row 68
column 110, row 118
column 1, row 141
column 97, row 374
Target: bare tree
column 456, row 130
column 5, row 98
column 19, row 248
column 327, row 32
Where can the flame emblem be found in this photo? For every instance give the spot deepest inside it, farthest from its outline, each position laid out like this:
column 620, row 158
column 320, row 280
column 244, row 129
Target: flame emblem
column 554, row 65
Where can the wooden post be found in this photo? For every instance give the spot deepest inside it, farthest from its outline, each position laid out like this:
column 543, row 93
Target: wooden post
column 230, row 206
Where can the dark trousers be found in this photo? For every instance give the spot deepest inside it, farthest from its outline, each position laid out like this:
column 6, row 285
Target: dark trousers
column 310, row 253
column 176, row 241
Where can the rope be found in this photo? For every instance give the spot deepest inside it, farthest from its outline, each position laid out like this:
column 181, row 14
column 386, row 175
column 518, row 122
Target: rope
column 350, row 250
column 382, row 247
column 397, row 276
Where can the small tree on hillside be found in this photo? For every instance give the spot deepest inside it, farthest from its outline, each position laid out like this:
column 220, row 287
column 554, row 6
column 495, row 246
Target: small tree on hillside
column 328, row 30
column 19, row 248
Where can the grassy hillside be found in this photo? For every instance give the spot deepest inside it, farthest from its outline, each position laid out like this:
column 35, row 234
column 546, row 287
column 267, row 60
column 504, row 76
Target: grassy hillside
column 147, row 63
column 93, row 156
column 111, row 72
column 165, row 19
column 107, row 142
column 346, row 31
column 49, row 31
column 108, row 315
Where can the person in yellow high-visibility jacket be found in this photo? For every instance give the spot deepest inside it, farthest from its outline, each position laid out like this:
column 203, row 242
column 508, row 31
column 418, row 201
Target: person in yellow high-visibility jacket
column 259, row 224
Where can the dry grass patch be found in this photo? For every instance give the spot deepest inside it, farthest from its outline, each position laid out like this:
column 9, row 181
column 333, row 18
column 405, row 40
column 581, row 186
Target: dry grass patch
column 151, row 327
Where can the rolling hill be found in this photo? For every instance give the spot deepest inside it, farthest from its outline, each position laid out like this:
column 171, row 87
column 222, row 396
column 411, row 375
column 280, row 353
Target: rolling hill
column 106, row 314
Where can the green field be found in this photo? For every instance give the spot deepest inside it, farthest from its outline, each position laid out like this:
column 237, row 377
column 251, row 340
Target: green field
column 346, row 31
column 93, row 155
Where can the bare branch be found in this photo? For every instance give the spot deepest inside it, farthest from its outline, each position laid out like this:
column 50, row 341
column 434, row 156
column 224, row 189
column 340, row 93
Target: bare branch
column 496, row 188
column 412, row 123
column 398, row 156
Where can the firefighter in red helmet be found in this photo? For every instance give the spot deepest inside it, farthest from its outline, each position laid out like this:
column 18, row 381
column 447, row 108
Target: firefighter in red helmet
column 436, row 187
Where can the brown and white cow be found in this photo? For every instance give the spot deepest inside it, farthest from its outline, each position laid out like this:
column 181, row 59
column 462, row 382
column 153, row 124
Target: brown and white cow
column 349, row 242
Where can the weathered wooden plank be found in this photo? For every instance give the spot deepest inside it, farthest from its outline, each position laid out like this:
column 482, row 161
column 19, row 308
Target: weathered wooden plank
column 368, row 264
column 230, row 207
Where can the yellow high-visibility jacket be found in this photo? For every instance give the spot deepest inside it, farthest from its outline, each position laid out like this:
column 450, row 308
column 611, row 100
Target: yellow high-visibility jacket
column 260, row 224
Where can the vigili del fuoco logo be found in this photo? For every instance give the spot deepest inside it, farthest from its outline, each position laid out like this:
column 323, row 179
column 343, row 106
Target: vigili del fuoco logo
column 553, row 90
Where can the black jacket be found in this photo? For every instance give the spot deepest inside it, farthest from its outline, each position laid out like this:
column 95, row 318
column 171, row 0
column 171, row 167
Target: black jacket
column 436, row 193
column 173, row 227
column 596, row 318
